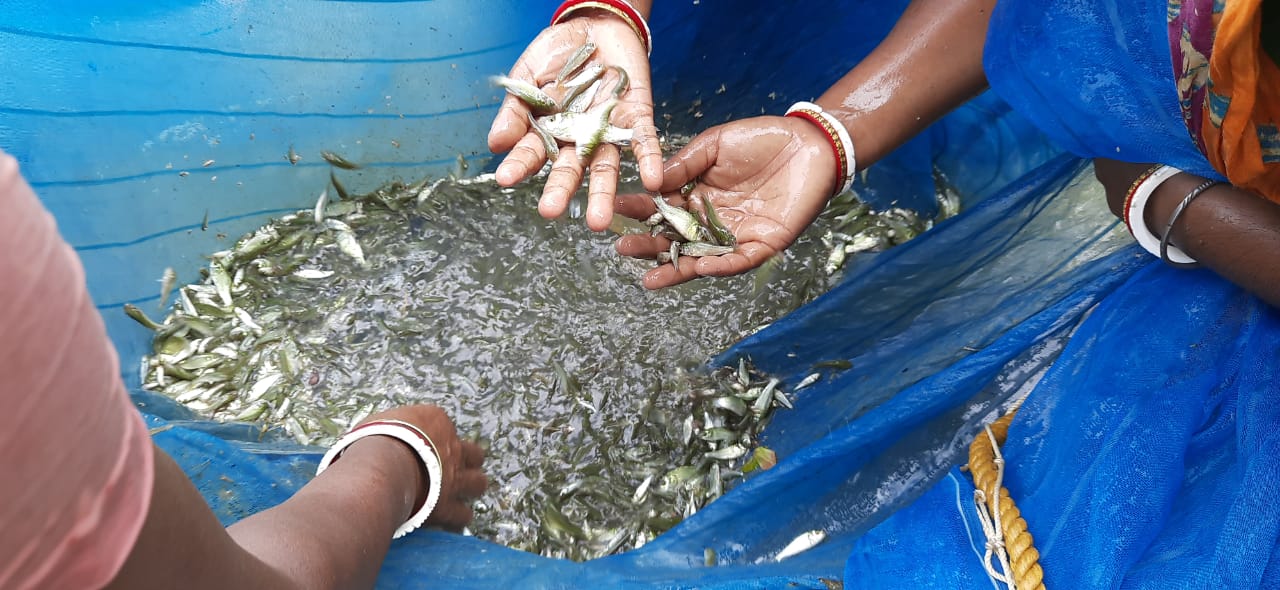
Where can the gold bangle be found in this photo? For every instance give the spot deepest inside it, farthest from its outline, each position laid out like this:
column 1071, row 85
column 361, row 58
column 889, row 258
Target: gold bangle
column 842, row 158
column 610, row 9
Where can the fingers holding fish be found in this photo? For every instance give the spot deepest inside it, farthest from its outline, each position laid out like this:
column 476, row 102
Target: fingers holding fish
column 602, row 186
column 524, row 159
column 562, row 182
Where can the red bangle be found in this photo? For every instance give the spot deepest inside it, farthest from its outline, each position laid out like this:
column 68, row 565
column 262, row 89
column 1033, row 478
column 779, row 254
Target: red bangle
column 1133, row 189
column 836, row 149
column 620, row 8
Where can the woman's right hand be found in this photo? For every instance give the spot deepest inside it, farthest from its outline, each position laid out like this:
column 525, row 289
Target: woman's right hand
column 460, row 461
column 767, row 177
column 616, row 45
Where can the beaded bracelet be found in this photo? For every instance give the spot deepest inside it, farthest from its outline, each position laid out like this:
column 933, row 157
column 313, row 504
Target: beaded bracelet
column 1136, row 208
column 418, row 441
column 1169, row 253
column 1133, row 188
column 837, row 135
column 620, row 8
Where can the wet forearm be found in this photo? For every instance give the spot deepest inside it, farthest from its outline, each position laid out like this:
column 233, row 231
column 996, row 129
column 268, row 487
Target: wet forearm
column 335, row 532
column 930, row 63
column 1233, row 232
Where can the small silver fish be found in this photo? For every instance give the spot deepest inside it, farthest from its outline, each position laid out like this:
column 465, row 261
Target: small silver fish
column 132, row 311
column 320, row 204
column 587, row 130
column 530, row 94
column 761, row 405
column 576, row 61
column 623, row 84
column 677, row 479
column 252, row 413
column 338, row 161
column 346, row 240
column 731, row 403
column 718, row 230
column 728, row 453
column 247, row 320
column 337, row 185
column 804, row 542
column 642, row 491
column 579, row 98
column 873, row 238
column 718, row 435
column 699, row 249
column 167, row 279
column 262, row 386
column 548, row 141
column 251, row 245
column 221, row 282
column 312, row 273
column 683, row 221
column 836, row 259
column 348, row 244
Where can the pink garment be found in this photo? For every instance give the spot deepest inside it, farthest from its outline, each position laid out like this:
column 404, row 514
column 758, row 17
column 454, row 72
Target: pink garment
column 75, row 456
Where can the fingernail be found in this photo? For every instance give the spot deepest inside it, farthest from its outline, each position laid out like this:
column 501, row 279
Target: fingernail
column 507, row 173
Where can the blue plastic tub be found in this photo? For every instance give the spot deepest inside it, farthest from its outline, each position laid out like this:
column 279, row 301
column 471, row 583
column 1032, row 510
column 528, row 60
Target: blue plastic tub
column 137, row 122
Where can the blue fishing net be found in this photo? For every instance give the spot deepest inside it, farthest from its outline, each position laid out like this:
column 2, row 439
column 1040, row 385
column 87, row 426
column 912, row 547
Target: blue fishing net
column 1096, row 76
column 1140, row 458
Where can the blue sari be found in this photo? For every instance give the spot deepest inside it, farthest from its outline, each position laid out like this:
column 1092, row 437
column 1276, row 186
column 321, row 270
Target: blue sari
column 1094, row 75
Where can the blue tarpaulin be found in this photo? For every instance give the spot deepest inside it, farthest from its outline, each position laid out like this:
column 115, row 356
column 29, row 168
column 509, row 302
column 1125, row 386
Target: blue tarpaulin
column 1142, row 456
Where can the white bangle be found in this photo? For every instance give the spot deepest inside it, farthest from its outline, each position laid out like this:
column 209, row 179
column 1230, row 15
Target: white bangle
column 1138, row 224
column 849, row 165
column 418, row 441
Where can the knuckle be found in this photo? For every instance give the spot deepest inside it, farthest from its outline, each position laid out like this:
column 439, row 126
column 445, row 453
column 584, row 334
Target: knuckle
column 604, row 166
column 526, row 152
column 561, row 175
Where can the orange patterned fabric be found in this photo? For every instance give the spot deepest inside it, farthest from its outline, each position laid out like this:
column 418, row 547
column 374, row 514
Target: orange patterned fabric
column 1240, row 127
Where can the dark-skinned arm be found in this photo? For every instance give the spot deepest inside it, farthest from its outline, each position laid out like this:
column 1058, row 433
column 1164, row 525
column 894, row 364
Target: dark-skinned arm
column 928, row 65
column 1233, row 232
column 333, row 533
column 770, row 177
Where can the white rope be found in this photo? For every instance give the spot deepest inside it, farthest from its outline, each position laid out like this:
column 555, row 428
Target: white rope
column 991, row 525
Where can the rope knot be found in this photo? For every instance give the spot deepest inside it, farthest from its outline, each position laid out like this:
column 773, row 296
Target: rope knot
column 998, row 514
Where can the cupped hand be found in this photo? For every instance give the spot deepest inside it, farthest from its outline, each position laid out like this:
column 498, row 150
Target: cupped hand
column 540, row 64
column 460, row 463
column 768, row 179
